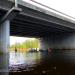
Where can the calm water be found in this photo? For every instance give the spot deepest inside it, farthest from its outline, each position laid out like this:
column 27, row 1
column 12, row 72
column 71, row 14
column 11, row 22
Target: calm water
column 57, row 62
column 24, row 58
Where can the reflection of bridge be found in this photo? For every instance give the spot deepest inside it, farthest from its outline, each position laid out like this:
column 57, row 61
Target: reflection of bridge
column 54, row 30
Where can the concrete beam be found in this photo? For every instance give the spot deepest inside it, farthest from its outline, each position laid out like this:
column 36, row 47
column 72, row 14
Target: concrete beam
column 10, row 14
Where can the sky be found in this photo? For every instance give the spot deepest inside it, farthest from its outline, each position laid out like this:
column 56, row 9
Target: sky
column 64, row 6
column 15, row 39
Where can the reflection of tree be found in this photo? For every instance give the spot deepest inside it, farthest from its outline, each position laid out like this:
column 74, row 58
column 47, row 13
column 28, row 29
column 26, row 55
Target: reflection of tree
column 27, row 44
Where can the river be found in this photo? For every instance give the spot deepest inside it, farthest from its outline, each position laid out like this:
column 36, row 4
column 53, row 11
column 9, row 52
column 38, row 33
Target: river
column 42, row 63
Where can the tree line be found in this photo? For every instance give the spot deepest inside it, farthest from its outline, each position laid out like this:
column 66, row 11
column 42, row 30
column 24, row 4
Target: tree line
column 26, row 45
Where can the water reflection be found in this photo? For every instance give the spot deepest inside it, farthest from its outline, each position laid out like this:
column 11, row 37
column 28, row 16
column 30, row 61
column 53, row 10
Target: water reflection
column 57, row 62
column 24, row 59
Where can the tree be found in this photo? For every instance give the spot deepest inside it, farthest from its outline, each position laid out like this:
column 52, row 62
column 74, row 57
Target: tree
column 27, row 44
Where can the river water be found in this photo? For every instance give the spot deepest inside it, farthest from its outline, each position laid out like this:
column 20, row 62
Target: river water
column 42, row 63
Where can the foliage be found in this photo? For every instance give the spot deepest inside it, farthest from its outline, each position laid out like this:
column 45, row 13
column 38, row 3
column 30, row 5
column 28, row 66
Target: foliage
column 27, row 44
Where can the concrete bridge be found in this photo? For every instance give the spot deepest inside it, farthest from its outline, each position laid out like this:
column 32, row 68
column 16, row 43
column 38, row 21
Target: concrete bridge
column 54, row 31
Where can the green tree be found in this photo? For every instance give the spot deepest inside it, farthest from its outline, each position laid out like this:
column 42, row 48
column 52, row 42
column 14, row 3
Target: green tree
column 27, row 44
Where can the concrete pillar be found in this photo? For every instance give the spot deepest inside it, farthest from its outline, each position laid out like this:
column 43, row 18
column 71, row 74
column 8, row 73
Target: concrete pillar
column 47, row 42
column 4, row 45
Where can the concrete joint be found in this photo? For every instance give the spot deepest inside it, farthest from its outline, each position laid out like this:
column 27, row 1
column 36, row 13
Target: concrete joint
column 10, row 14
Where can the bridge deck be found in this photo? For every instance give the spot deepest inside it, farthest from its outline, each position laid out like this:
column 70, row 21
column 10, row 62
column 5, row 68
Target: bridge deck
column 34, row 21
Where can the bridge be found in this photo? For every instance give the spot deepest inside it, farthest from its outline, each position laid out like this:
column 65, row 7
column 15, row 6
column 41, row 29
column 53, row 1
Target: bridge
column 54, row 31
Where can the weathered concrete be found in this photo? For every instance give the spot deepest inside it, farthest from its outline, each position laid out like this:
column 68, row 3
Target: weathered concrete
column 4, row 46
column 65, row 41
column 47, row 42
column 59, row 41
column 4, row 36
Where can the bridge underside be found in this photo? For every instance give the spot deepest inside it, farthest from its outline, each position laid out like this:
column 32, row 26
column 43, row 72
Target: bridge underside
column 33, row 23
column 55, row 31
column 32, row 27
column 28, row 26
column 40, row 23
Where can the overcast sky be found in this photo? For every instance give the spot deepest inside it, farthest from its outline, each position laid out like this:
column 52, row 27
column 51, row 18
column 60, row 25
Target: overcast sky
column 15, row 39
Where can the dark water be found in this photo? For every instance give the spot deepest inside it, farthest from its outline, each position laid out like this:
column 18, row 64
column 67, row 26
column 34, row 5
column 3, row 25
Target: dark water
column 56, row 62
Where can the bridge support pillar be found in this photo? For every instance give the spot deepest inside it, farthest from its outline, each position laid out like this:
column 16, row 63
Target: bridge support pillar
column 4, row 45
column 47, row 42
